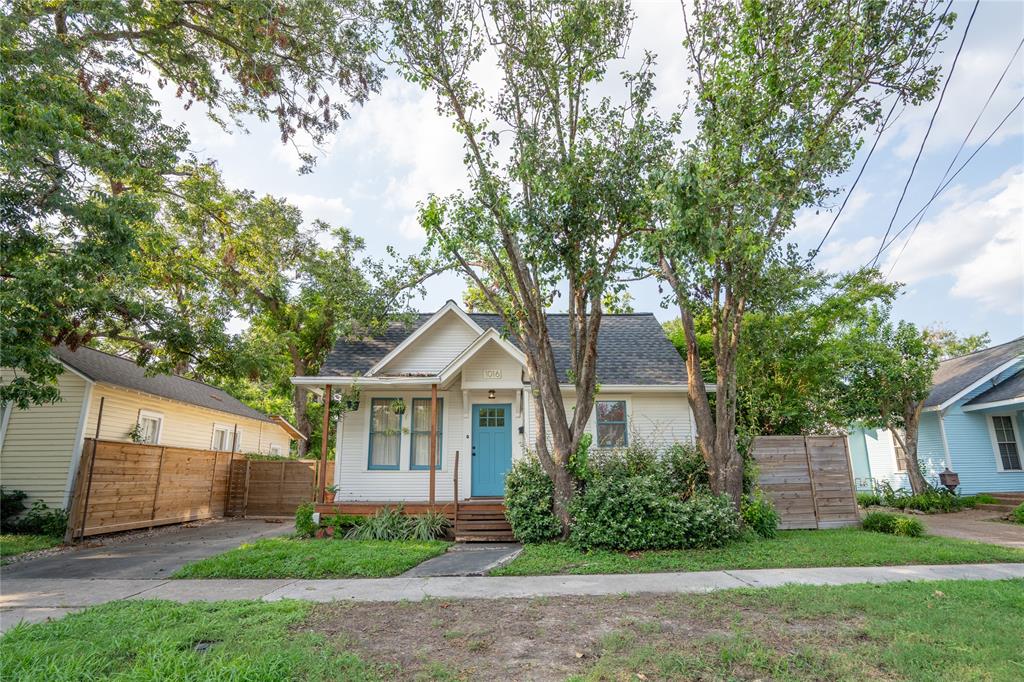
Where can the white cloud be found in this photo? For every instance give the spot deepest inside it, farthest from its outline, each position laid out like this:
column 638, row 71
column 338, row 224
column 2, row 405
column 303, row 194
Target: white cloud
column 329, row 209
column 812, row 223
column 302, row 142
column 977, row 238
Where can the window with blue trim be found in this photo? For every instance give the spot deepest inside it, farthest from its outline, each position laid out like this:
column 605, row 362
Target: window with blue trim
column 611, row 423
column 385, row 434
column 419, row 456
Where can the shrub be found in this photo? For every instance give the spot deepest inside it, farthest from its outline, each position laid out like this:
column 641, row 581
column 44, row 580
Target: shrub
column 625, row 513
column 529, row 496
column 893, row 524
column 759, row 515
column 929, row 501
column 709, row 521
column 1017, row 515
column 304, row 526
column 687, row 471
column 430, row 526
column 41, row 520
column 12, row 503
column 389, row 523
column 869, row 499
column 339, row 524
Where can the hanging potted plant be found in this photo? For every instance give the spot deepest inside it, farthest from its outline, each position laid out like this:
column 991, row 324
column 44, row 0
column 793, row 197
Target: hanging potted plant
column 398, row 406
column 350, row 400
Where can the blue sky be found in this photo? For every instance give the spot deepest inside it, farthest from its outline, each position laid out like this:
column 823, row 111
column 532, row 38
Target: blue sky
column 963, row 268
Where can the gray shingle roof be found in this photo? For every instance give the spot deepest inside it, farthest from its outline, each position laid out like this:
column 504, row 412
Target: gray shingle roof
column 631, row 349
column 956, row 374
column 110, row 369
column 1004, row 390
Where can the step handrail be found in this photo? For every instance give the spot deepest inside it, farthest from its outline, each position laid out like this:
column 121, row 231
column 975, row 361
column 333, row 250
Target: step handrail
column 455, row 486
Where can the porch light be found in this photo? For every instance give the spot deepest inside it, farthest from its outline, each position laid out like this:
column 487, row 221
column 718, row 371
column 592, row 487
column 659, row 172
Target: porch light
column 949, row 479
column 490, row 394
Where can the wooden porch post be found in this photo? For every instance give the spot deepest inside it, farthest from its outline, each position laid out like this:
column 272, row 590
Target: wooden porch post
column 322, row 472
column 433, row 441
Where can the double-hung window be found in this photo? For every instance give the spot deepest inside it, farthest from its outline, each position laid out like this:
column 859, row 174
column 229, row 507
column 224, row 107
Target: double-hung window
column 419, row 457
column 901, row 454
column 1006, row 442
column 149, row 427
column 385, row 434
column 611, row 424
column 223, row 438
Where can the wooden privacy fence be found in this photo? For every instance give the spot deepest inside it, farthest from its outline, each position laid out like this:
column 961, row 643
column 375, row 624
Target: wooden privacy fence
column 272, row 487
column 808, row 479
column 122, row 486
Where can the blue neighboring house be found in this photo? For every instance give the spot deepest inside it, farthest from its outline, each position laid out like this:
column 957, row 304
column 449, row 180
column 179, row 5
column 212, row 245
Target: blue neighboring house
column 973, row 423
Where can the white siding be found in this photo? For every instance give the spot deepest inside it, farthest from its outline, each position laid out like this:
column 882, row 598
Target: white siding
column 434, row 349
column 40, row 443
column 479, row 371
column 184, row 425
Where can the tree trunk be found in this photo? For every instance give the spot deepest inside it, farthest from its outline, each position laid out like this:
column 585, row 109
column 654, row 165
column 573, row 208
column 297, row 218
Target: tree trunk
column 300, row 398
column 911, row 426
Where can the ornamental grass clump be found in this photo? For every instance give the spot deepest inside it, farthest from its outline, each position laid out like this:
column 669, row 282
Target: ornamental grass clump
column 893, row 524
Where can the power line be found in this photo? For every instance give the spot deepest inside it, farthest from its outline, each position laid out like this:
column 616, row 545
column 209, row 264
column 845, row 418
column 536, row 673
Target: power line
column 874, row 145
column 951, row 178
column 935, row 113
column 957, row 155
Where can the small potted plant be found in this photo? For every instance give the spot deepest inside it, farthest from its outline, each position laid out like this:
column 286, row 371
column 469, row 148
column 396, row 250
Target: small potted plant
column 350, row 400
column 329, row 493
column 398, row 406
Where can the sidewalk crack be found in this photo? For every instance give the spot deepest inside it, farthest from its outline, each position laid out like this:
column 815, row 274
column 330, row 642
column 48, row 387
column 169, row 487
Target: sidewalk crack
column 736, row 577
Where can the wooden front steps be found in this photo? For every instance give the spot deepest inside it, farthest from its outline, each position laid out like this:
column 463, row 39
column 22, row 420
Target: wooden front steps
column 482, row 521
column 1005, row 502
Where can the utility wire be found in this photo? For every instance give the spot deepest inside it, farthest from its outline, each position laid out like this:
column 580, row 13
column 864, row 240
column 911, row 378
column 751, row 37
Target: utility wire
column 871, row 151
column 920, row 149
column 951, row 178
column 957, row 155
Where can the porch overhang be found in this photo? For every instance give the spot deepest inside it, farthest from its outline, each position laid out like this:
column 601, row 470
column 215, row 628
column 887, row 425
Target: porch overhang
column 1011, row 403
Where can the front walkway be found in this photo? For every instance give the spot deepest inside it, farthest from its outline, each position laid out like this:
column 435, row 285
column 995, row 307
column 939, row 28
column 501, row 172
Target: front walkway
column 975, row 524
column 36, row 600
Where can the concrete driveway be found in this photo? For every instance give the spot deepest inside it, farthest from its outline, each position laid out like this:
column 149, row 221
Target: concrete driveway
column 974, row 524
column 155, row 556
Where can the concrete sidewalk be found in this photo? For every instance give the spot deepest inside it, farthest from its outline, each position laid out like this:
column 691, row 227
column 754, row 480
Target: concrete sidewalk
column 38, row 599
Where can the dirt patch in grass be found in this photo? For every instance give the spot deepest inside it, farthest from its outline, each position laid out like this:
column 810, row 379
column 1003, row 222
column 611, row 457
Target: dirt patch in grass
column 660, row 637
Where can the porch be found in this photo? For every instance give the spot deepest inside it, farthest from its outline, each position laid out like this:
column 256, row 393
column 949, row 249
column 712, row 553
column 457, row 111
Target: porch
column 473, row 520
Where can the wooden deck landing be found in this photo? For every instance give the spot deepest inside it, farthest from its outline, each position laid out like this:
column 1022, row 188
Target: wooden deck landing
column 479, row 520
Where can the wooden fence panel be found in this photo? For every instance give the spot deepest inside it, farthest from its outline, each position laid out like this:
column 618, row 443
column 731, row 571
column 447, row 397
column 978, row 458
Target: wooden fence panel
column 808, row 479
column 122, row 486
column 271, row 487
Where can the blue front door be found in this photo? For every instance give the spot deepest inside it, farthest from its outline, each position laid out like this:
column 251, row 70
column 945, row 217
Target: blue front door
column 492, row 449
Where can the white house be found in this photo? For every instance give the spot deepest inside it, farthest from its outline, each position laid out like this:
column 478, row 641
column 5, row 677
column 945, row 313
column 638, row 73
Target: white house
column 484, row 409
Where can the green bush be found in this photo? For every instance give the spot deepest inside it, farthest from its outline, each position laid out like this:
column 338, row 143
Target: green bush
column 626, row 513
column 709, row 521
column 869, row 499
column 893, row 524
column 12, row 503
column 929, row 501
column 389, row 523
column 41, row 520
column 529, row 496
column 304, row 526
column 432, row 525
column 687, row 471
column 339, row 524
column 759, row 514
column 1017, row 515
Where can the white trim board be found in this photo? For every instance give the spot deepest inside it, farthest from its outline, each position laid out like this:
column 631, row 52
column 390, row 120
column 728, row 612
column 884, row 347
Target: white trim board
column 959, row 395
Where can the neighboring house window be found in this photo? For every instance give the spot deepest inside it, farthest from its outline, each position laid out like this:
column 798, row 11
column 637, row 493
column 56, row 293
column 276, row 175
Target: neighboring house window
column 385, row 434
column 611, row 423
column 150, row 424
column 275, row 449
column 419, row 457
column 901, row 454
column 1006, row 442
column 222, row 438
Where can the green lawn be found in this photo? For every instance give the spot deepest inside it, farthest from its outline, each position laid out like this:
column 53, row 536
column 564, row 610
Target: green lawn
column 293, row 558
column 840, row 547
column 949, row 630
column 11, row 544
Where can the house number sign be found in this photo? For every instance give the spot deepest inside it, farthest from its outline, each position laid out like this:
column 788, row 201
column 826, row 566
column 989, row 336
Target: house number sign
column 492, row 374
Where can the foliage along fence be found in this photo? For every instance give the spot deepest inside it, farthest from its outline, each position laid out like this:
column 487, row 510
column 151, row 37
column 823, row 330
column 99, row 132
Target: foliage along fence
column 123, row 486
column 808, row 479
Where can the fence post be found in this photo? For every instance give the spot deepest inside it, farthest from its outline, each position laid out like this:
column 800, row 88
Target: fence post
column 280, row 485
column 810, row 477
column 213, row 478
column 245, row 498
column 156, row 488
column 79, row 506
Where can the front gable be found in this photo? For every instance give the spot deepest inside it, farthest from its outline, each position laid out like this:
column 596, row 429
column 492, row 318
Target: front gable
column 432, row 347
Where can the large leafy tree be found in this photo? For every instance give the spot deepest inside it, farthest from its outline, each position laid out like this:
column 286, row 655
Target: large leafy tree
column 560, row 185
column 790, row 371
column 86, row 161
column 782, row 94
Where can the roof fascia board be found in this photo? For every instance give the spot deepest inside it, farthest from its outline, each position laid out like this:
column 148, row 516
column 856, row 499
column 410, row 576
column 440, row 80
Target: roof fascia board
column 449, row 307
column 74, row 371
column 1019, row 400
column 988, row 377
